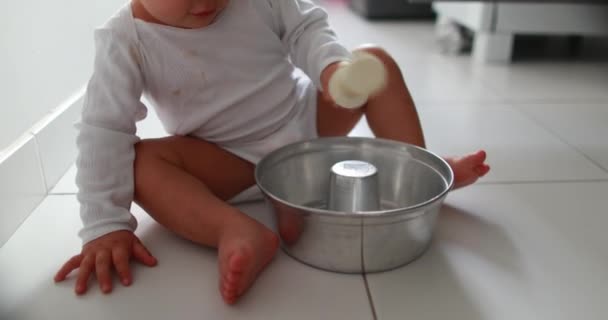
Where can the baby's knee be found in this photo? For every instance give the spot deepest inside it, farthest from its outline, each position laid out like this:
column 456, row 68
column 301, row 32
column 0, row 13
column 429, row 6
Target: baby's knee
column 381, row 54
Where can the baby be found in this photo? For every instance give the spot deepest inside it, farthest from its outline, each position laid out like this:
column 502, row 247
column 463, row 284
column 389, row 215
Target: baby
column 231, row 81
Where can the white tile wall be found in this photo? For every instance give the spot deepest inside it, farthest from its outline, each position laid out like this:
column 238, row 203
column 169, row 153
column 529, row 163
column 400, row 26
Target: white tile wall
column 67, row 183
column 57, row 141
column 22, row 185
column 35, row 163
column 47, row 53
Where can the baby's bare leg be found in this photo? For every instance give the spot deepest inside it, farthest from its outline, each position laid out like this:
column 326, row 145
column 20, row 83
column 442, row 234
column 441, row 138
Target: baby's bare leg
column 183, row 183
column 391, row 114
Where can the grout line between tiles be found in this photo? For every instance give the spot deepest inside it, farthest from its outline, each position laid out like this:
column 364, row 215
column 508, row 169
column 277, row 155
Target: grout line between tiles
column 62, row 193
column 496, row 90
column 364, row 273
column 541, row 182
column 369, row 297
column 447, row 102
column 40, row 165
column 561, row 102
column 559, row 137
column 422, row 104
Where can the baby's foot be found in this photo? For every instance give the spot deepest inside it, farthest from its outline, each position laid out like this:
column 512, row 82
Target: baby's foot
column 469, row 168
column 290, row 225
column 243, row 254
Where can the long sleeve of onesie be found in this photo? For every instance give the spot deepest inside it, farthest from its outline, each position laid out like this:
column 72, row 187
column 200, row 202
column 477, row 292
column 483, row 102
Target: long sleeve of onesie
column 132, row 55
column 305, row 30
column 107, row 136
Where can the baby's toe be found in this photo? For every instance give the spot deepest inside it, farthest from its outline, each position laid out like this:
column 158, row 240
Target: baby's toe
column 229, row 292
column 481, row 170
column 477, row 158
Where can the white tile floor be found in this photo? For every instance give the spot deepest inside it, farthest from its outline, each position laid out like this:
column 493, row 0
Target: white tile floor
column 525, row 243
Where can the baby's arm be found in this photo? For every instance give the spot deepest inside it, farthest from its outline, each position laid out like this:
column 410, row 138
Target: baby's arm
column 107, row 136
column 105, row 165
column 312, row 44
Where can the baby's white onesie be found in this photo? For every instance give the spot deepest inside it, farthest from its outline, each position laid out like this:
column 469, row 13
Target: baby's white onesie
column 233, row 83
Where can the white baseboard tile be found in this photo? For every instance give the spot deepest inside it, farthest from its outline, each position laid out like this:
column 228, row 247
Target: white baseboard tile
column 22, row 185
column 56, row 139
column 35, row 162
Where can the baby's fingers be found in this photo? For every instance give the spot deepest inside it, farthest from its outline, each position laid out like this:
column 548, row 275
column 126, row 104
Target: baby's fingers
column 103, row 265
column 143, row 255
column 72, row 264
column 120, row 257
column 86, row 268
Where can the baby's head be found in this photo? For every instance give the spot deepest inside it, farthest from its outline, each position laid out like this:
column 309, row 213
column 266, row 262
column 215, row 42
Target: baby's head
column 189, row 14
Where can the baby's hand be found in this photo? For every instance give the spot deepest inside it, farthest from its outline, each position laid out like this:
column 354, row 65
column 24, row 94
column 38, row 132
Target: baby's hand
column 350, row 84
column 326, row 75
column 113, row 249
